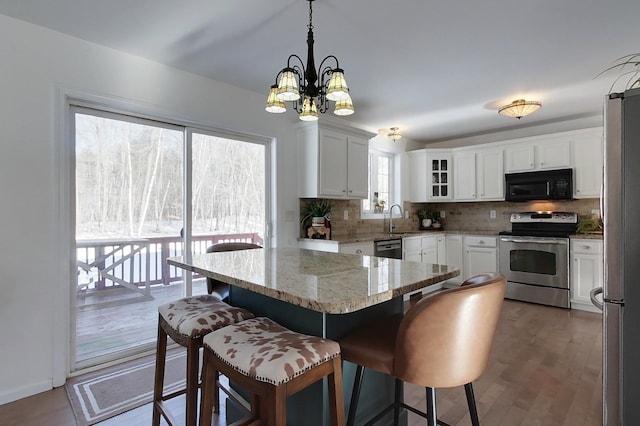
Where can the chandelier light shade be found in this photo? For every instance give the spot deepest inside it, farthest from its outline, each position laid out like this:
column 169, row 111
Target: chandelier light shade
column 394, row 134
column 520, row 108
column 309, row 110
column 298, row 83
column 344, row 106
column 275, row 104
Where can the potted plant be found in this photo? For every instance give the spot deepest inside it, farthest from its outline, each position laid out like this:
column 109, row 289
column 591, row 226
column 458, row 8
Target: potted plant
column 316, row 211
column 629, row 65
column 429, row 218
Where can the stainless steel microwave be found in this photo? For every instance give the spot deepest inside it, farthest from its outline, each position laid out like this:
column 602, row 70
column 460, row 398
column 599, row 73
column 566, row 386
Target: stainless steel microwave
column 542, row 185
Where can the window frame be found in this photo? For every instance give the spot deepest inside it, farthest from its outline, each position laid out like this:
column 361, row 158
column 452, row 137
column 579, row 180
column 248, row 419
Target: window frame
column 372, row 175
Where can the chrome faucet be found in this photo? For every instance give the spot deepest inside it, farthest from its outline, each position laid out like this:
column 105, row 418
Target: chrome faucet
column 391, row 225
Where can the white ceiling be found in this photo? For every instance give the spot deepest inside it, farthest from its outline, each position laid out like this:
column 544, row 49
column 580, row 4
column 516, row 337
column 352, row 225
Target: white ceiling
column 436, row 69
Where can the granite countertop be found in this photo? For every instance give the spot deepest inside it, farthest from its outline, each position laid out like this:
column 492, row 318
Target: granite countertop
column 332, row 283
column 590, row 236
column 364, row 237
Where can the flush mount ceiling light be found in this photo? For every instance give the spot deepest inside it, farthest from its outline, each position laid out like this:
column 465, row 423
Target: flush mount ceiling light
column 519, row 108
column 394, row 134
column 297, row 83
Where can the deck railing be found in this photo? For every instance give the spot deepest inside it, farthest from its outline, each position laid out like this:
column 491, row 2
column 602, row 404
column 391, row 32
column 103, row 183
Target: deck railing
column 133, row 268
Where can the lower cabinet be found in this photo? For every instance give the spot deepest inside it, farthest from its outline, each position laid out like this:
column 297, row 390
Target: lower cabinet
column 455, row 257
column 480, row 255
column 429, row 249
column 365, row 248
column 586, row 272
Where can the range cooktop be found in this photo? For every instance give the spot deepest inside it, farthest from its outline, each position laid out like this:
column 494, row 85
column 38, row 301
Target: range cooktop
column 543, row 224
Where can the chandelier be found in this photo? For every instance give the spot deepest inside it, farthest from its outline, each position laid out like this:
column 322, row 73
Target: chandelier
column 298, row 84
column 394, row 134
column 519, row 108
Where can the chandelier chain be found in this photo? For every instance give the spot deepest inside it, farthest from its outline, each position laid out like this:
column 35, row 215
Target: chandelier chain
column 310, row 26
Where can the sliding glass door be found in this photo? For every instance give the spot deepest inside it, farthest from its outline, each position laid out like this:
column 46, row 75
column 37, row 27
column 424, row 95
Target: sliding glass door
column 132, row 179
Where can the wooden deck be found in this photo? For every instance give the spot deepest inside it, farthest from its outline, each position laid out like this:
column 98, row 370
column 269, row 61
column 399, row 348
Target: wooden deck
column 118, row 321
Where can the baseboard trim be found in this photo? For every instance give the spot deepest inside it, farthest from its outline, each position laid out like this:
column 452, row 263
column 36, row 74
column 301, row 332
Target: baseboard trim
column 25, row 391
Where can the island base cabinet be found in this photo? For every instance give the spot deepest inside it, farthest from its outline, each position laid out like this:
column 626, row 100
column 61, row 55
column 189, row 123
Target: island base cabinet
column 310, row 406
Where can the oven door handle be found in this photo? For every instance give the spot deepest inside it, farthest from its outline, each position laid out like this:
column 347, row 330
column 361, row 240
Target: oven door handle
column 517, row 240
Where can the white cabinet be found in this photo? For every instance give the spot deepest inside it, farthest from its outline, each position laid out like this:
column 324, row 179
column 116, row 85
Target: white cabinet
column 430, row 175
column 490, row 174
column 587, row 153
column 479, row 175
column 549, row 153
column 426, row 249
column 363, row 248
column 332, row 162
column 464, row 164
column 586, row 271
column 480, row 255
column 455, row 256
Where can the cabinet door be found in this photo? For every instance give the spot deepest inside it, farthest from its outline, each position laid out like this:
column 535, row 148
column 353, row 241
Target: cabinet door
column 587, row 160
column 417, row 176
column 464, row 180
column 554, row 154
column 520, row 157
column 455, row 255
column 442, row 250
column 439, row 174
column 490, row 179
column 430, row 255
column 479, row 260
column 333, row 164
column 585, row 276
column 357, row 167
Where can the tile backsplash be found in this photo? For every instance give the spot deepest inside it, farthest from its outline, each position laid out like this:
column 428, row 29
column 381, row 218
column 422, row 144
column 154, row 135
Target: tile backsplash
column 464, row 217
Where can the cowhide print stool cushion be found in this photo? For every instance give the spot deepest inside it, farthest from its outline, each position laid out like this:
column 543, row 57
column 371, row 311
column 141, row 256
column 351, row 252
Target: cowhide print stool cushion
column 264, row 350
column 198, row 315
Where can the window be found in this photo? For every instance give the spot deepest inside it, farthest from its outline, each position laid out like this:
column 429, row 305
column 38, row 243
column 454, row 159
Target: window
column 380, row 182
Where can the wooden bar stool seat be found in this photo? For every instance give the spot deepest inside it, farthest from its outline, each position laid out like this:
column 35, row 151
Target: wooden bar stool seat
column 271, row 362
column 187, row 321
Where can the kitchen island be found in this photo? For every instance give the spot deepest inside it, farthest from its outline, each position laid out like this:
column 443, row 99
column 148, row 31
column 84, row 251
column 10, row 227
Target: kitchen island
column 323, row 294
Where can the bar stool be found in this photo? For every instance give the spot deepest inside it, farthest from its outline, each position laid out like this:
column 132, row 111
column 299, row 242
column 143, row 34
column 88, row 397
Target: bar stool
column 271, row 362
column 187, row 321
column 443, row 341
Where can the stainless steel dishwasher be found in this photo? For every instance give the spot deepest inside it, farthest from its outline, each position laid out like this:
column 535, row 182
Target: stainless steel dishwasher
column 388, row 248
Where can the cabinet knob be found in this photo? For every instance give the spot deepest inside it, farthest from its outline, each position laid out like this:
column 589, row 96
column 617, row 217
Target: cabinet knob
column 480, row 241
column 344, row 190
column 586, row 247
column 542, row 164
column 359, row 251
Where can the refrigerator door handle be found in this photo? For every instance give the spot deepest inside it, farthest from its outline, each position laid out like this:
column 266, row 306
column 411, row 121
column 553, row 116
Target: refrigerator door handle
column 593, row 293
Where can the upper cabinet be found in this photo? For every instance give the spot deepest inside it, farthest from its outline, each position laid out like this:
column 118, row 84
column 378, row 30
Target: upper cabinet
column 479, row 175
column 552, row 153
column 430, row 175
column 332, row 161
column 587, row 153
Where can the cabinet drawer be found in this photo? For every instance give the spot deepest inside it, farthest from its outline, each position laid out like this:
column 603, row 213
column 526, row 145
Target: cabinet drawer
column 587, row 246
column 365, row 249
column 478, row 241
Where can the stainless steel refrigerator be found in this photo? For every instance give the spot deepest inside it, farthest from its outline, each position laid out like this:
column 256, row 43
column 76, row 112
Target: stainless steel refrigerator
column 621, row 291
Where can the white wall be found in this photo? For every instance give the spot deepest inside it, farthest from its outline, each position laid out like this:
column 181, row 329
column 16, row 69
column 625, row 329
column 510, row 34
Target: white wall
column 37, row 65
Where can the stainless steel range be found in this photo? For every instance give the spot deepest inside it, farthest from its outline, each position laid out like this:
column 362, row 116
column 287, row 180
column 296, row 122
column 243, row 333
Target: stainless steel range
column 534, row 257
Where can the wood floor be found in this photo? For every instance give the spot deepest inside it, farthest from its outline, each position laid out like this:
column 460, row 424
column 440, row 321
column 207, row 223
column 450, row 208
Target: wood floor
column 545, row 369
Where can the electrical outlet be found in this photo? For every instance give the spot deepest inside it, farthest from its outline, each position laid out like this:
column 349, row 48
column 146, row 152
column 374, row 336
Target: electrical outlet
column 406, row 214
column 346, row 215
column 442, row 214
column 492, row 214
